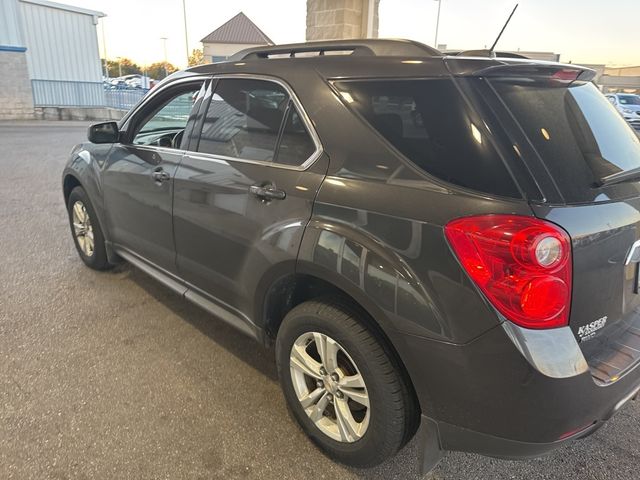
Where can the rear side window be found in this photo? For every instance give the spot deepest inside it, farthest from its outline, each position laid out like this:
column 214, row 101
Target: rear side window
column 429, row 122
column 243, row 119
column 578, row 133
column 253, row 119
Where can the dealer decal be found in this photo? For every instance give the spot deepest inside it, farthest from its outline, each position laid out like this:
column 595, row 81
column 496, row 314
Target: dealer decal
column 588, row 331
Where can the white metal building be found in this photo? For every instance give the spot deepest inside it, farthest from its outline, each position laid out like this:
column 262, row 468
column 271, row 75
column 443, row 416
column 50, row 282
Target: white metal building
column 59, row 45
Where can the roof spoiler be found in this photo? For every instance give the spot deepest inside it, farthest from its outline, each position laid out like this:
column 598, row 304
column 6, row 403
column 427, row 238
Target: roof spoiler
column 360, row 47
column 567, row 73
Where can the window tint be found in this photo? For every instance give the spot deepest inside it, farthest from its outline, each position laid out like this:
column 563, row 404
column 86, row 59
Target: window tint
column 296, row 145
column 244, row 119
column 430, row 124
column 170, row 119
column 579, row 135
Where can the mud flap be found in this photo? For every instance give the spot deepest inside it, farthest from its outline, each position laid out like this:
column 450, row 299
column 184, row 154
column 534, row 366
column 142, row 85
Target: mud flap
column 431, row 451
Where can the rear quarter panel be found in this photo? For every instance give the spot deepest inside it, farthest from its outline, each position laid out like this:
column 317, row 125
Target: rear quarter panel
column 377, row 231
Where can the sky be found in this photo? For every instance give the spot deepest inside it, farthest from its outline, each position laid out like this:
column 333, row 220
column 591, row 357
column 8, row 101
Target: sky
column 582, row 31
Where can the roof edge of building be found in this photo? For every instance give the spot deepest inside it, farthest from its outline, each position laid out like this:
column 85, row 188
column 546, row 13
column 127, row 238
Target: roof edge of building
column 265, row 37
column 63, row 6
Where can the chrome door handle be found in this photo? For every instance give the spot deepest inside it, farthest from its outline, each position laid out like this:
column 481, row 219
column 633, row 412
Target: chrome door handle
column 159, row 175
column 267, row 192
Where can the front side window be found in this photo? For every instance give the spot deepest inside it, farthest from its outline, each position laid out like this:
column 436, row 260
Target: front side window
column 429, row 122
column 252, row 119
column 165, row 125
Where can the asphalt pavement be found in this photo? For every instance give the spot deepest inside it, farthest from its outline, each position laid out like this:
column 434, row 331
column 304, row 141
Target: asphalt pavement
column 112, row 376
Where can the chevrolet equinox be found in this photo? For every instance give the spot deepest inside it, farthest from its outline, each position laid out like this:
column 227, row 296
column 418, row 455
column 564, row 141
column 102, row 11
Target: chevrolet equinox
column 440, row 245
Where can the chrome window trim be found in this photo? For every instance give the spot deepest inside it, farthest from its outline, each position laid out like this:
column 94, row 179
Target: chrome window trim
column 301, row 111
column 222, row 158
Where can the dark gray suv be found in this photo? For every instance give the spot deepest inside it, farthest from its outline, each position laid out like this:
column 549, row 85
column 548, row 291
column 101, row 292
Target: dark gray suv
column 438, row 244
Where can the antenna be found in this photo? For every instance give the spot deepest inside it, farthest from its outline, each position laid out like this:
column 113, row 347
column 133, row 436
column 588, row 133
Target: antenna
column 502, row 31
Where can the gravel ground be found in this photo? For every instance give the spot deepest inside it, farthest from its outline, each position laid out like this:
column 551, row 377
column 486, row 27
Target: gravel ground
column 110, row 375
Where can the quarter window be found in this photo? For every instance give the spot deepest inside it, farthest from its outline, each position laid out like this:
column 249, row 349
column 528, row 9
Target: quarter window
column 296, row 144
column 431, row 125
column 254, row 120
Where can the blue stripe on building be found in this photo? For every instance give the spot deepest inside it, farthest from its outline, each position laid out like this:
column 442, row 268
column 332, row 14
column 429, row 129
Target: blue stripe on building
column 12, row 48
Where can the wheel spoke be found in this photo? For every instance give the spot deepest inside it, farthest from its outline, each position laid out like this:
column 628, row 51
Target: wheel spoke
column 359, row 396
column 303, row 362
column 317, row 412
column 77, row 210
column 312, row 397
column 78, row 228
column 328, row 351
column 89, row 244
column 347, row 425
column 351, row 381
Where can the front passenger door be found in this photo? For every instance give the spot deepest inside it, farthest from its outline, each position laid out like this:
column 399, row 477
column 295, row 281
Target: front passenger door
column 138, row 175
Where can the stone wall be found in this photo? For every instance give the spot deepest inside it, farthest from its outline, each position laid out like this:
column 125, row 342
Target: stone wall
column 16, row 97
column 340, row 19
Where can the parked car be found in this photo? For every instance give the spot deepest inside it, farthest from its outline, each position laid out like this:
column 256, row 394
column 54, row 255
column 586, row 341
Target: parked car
column 442, row 244
column 629, row 107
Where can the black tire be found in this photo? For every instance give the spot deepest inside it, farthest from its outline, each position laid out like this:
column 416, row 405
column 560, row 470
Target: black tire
column 393, row 413
column 98, row 258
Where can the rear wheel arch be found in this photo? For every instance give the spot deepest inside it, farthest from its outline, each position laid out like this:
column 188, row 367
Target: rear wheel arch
column 294, row 289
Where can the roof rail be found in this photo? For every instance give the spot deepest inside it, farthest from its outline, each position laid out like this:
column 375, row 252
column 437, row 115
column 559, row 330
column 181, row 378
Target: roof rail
column 364, row 47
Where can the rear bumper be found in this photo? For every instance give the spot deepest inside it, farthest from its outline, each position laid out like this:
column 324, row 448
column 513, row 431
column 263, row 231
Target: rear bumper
column 489, row 397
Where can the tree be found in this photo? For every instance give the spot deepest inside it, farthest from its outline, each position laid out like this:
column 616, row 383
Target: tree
column 196, row 57
column 157, row 70
column 124, row 65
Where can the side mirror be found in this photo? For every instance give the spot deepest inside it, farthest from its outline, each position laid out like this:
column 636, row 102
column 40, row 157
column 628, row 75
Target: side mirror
column 106, row 132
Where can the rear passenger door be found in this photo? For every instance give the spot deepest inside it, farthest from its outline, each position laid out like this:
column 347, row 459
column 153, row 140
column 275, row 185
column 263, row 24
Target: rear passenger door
column 245, row 191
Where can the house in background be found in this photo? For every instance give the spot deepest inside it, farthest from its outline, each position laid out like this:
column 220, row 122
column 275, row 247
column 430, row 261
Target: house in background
column 235, row 35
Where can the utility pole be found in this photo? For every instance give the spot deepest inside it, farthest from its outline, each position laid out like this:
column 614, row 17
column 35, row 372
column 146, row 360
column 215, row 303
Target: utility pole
column 437, row 24
column 119, row 66
column 186, row 38
column 164, row 45
column 104, row 51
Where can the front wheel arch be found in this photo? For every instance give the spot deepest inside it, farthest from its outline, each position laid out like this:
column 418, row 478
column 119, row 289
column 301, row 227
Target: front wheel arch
column 68, row 184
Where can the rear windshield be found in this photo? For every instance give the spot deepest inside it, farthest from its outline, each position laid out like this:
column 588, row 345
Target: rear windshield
column 429, row 122
column 579, row 135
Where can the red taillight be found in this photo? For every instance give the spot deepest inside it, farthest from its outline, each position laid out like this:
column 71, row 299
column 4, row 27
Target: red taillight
column 522, row 265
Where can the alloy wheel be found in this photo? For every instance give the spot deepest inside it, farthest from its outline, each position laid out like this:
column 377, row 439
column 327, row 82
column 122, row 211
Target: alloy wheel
column 330, row 387
column 82, row 228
